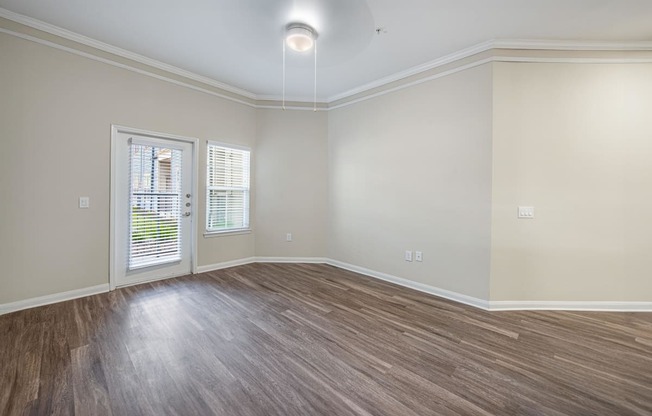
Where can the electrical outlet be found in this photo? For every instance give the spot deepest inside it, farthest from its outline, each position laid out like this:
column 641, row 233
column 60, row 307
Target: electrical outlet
column 408, row 255
column 418, row 256
column 288, row 237
column 526, row 213
column 84, row 202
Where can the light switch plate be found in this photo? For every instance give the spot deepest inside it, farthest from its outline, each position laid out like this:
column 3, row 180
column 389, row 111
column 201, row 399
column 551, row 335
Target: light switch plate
column 526, row 213
column 84, row 202
column 288, row 237
column 408, row 255
column 418, row 256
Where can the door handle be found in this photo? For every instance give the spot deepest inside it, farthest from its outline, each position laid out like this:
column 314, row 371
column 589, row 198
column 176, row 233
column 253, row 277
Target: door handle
column 186, row 214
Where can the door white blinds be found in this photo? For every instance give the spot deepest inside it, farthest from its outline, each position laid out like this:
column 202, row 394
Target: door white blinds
column 154, row 205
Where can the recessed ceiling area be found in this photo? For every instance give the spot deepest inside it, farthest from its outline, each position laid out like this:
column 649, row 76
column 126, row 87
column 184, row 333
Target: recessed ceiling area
column 240, row 43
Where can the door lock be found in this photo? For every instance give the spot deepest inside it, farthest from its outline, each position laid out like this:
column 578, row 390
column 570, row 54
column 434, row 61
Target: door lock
column 186, row 214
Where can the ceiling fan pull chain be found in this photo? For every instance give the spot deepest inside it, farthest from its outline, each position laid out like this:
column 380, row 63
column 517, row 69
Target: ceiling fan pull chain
column 283, row 74
column 315, row 91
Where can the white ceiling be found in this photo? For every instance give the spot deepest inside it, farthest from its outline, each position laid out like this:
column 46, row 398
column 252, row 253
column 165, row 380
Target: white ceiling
column 238, row 42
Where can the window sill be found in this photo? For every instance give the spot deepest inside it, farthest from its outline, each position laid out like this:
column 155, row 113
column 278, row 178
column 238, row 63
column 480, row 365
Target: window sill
column 211, row 234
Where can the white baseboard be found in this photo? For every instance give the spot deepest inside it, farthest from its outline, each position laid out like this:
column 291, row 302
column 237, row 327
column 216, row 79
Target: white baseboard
column 458, row 297
column 80, row 293
column 54, row 298
column 447, row 294
column 604, row 306
column 249, row 260
column 225, row 264
column 586, row 306
column 315, row 260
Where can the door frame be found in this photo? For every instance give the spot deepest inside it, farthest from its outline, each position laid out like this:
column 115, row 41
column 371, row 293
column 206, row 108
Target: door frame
column 115, row 131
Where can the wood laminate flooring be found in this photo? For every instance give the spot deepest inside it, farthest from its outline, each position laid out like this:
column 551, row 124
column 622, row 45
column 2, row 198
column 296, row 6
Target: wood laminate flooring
column 267, row 339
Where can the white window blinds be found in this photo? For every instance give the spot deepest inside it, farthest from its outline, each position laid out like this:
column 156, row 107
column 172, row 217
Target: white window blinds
column 227, row 191
column 155, row 205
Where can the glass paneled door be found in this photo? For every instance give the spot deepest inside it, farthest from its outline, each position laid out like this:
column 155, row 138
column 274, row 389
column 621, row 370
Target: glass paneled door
column 152, row 206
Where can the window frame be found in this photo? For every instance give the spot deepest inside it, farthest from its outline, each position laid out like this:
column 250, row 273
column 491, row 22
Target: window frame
column 247, row 214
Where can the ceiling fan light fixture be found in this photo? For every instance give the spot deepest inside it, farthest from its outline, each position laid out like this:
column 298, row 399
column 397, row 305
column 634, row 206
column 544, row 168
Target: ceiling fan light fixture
column 300, row 37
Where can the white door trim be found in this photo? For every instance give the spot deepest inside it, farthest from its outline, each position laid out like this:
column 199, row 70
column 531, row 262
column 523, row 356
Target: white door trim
column 115, row 130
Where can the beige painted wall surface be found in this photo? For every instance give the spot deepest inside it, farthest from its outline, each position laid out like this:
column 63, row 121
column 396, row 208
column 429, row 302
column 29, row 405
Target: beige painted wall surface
column 411, row 170
column 575, row 142
column 56, row 110
column 291, row 183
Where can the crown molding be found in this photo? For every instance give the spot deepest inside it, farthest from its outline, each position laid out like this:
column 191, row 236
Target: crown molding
column 413, row 83
column 123, row 66
column 447, row 59
column 522, row 44
column 105, row 47
column 570, row 45
column 272, row 105
column 557, row 60
column 473, row 64
column 289, row 107
column 274, row 102
column 288, row 99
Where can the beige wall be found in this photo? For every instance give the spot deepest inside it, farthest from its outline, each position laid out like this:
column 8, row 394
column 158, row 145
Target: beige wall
column 291, row 182
column 575, row 142
column 411, row 170
column 56, row 111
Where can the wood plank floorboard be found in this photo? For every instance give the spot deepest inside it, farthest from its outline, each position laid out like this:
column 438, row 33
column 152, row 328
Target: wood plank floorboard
column 304, row 339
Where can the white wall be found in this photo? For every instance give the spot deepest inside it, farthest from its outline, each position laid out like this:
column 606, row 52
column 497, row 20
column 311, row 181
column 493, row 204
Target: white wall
column 291, row 181
column 575, row 142
column 411, row 170
column 56, row 113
